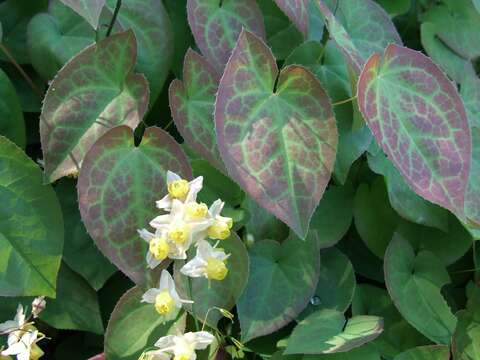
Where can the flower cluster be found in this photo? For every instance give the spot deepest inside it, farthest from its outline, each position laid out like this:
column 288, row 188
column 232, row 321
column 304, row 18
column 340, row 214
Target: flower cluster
column 186, row 223
column 22, row 334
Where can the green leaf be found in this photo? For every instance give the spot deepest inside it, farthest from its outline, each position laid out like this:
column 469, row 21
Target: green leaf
column 12, row 125
column 117, row 189
column 94, row 92
column 192, row 102
column 216, row 26
column 365, row 352
column 466, row 340
column 210, row 294
column 418, row 118
column 76, row 305
column 305, row 15
column 90, row 10
column 375, row 219
column 414, row 282
column 398, row 335
column 405, row 202
column 349, row 33
column 291, row 271
column 327, row 331
column 31, row 227
column 80, row 253
column 334, row 215
column 135, row 326
column 432, row 352
column 336, row 284
column 276, row 132
column 396, row 7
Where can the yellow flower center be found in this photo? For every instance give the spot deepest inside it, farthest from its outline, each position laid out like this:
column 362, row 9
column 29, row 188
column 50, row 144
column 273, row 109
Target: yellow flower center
column 159, row 248
column 164, row 303
column 178, row 189
column 183, row 351
column 219, row 230
column 35, row 352
column 196, row 211
column 216, row 269
column 179, row 232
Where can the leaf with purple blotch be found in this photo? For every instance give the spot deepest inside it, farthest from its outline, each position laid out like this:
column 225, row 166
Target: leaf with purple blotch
column 418, row 118
column 216, row 25
column 359, row 28
column 93, row 92
column 90, row 10
column 117, row 189
column 192, row 102
column 276, row 132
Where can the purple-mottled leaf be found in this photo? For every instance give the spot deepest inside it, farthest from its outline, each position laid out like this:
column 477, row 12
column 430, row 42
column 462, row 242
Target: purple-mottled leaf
column 90, row 10
column 95, row 91
column 117, row 189
column 192, row 102
column 276, row 132
column 418, row 118
column 216, row 25
column 359, row 28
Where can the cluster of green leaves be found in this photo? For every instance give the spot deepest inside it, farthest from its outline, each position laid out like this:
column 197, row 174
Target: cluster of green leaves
column 343, row 135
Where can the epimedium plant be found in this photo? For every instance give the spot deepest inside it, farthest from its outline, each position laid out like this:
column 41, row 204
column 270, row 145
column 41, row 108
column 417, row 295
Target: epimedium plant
column 240, row 178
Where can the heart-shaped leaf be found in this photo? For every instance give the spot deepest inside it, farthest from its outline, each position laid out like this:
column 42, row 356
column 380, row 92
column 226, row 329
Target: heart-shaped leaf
column 282, row 281
column 276, row 132
column 431, row 352
column 327, row 331
column 12, row 125
column 418, row 118
column 135, row 326
column 210, row 294
column 94, row 92
column 117, row 189
column 414, row 282
column 306, row 16
column 192, row 102
column 31, row 227
column 90, row 10
column 359, row 28
column 216, row 25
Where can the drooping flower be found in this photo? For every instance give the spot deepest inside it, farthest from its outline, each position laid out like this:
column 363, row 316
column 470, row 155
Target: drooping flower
column 16, row 324
column 165, row 297
column 23, row 345
column 181, row 347
column 179, row 189
column 208, row 262
column 158, row 247
column 221, row 225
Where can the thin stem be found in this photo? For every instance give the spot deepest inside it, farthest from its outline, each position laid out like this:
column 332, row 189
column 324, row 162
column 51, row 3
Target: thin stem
column 344, row 101
column 114, row 17
column 21, row 71
column 168, row 125
column 197, row 327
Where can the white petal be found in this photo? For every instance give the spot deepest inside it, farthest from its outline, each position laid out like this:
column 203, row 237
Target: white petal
column 194, row 268
column 150, row 295
column 158, row 355
column 216, row 208
column 171, row 177
column 166, row 281
column 220, row 255
column 145, row 234
column 152, row 263
column 20, row 316
column 200, row 339
column 164, row 203
column 204, row 250
column 178, row 210
column 165, row 343
column 194, row 187
column 8, row 326
column 161, row 222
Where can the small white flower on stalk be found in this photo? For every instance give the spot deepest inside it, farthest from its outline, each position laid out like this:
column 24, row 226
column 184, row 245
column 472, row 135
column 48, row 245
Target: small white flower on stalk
column 165, row 297
column 158, row 247
column 16, row 324
column 38, row 305
column 181, row 230
column 209, row 262
column 180, row 189
column 23, row 345
column 181, row 347
column 221, row 225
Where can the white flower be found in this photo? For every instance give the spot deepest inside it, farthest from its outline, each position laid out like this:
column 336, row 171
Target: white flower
column 38, row 305
column 181, row 347
column 16, row 324
column 221, row 225
column 180, row 229
column 23, row 345
column 208, row 262
column 180, row 189
column 165, row 297
column 158, row 247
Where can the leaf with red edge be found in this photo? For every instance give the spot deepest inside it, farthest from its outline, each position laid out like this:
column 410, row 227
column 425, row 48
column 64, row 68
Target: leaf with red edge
column 216, row 25
column 305, row 15
column 117, row 189
column 93, row 92
column 359, row 28
column 418, row 118
column 276, row 132
column 192, row 102
column 90, row 10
